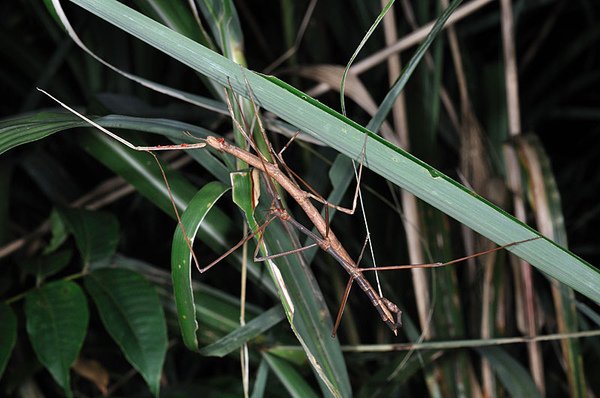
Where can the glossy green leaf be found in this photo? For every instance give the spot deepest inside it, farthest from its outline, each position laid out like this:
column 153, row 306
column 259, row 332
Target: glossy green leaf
column 347, row 137
column 96, row 233
column 242, row 335
column 513, row 376
column 57, row 319
column 47, row 265
column 181, row 258
column 293, row 381
column 8, row 334
column 132, row 315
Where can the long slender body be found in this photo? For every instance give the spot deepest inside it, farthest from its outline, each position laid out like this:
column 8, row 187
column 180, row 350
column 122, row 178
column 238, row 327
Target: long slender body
column 329, row 242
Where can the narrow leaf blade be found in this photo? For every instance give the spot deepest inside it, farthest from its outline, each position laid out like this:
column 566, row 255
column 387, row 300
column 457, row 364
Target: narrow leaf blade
column 293, row 381
column 242, row 335
column 181, row 258
column 512, row 374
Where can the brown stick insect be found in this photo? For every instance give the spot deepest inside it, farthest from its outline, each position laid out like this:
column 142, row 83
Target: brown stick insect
column 274, row 172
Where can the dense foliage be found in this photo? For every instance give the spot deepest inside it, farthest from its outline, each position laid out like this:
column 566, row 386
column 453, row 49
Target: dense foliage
column 96, row 296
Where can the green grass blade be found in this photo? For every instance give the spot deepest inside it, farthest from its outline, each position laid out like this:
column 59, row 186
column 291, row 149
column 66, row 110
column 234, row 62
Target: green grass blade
column 250, row 330
column 293, row 381
column 512, row 374
column 390, row 98
column 181, row 259
column 260, row 382
column 550, row 213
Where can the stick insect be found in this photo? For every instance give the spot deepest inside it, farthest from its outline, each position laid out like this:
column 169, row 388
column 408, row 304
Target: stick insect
column 277, row 171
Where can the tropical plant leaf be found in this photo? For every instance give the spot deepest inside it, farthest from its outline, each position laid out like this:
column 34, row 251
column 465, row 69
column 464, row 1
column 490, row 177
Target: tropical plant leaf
column 132, row 315
column 96, row 233
column 57, row 319
column 47, row 265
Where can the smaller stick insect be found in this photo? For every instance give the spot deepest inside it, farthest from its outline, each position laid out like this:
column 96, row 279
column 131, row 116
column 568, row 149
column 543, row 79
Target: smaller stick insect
column 388, row 311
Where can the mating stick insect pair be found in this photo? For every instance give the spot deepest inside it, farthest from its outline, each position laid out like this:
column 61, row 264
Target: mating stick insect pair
column 277, row 172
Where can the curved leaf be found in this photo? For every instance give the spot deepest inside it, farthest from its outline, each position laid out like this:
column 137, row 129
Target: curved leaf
column 293, row 381
column 96, row 233
column 24, row 129
column 132, row 315
column 8, row 334
column 57, row 318
column 512, row 374
column 250, row 330
column 181, row 259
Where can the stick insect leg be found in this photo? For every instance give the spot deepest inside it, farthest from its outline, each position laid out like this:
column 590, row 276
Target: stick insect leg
column 456, row 261
column 246, row 238
column 338, row 318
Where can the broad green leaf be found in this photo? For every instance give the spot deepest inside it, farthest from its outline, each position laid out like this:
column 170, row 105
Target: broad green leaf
column 181, row 258
column 57, row 319
column 242, row 335
column 8, row 334
column 47, row 265
column 347, row 137
column 293, row 381
column 132, row 315
column 96, row 233
column 514, row 377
